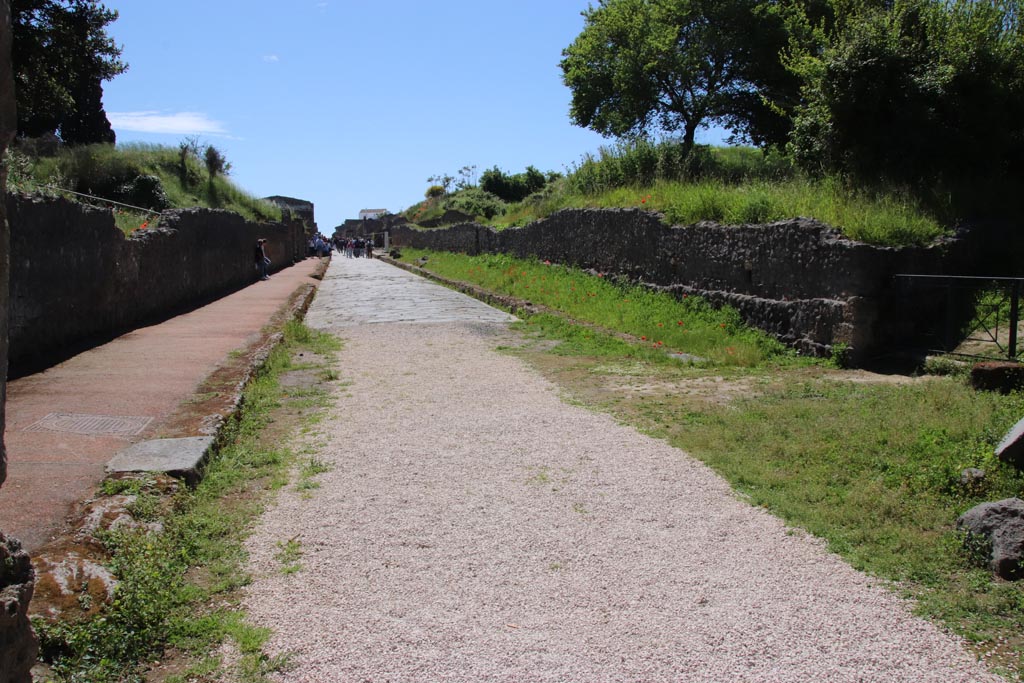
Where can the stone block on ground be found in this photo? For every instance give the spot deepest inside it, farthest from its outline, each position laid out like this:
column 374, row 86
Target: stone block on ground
column 1000, row 526
column 1001, row 376
column 1011, row 448
column 182, row 458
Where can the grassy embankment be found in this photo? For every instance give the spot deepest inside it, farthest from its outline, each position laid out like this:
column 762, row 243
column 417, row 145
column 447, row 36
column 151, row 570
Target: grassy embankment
column 177, row 591
column 870, row 464
column 728, row 185
column 171, row 179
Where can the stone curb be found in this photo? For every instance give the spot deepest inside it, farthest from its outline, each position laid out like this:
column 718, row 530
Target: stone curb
column 76, row 550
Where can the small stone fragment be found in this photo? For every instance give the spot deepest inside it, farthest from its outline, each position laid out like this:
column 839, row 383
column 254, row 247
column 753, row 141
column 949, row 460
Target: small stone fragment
column 972, row 477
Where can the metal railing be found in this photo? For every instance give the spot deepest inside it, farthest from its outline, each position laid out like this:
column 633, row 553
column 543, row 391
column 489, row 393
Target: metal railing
column 102, row 199
column 980, row 309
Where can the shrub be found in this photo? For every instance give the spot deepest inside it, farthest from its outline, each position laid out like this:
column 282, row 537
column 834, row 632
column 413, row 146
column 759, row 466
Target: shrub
column 434, row 191
column 512, row 188
column 146, row 191
column 476, row 202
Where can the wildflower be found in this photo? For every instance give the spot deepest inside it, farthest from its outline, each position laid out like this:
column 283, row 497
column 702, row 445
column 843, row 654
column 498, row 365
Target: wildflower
column 661, row 325
column 600, row 274
column 679, row 322
column 643, row 338
column 547, row 263
column 144, row 224
column 722, row 325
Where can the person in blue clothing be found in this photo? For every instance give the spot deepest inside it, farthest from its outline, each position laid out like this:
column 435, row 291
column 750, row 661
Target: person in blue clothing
column 261, row 258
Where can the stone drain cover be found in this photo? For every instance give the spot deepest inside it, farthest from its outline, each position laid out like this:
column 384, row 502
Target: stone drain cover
column 77, row 423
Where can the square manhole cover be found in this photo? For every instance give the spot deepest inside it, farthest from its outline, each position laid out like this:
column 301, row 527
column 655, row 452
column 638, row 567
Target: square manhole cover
column 77, row 423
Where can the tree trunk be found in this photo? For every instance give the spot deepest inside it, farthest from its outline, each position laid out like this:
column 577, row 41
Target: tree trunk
column 689, row 134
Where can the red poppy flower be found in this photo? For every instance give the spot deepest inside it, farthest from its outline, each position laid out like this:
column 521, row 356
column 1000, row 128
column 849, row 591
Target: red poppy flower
column 643, row 338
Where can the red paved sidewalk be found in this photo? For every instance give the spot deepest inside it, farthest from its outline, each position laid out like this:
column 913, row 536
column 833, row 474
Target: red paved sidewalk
column 145, row 374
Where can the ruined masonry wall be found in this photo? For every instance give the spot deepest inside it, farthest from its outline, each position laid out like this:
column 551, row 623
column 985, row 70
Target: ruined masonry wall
column 75, row 277
column 799, row 280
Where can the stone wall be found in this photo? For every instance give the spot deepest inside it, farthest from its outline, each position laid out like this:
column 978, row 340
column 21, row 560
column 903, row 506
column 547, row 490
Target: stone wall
column 76, row 278
column 798, row 280
column 18, row 645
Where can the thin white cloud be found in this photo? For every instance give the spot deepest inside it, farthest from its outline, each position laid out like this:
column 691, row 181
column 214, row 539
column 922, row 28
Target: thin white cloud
column 322, row 5
column 182, row 123
column 270, row 59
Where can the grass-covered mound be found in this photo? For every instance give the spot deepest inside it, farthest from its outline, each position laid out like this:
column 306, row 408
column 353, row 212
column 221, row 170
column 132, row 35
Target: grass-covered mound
column 151, row 177
column 728, row 185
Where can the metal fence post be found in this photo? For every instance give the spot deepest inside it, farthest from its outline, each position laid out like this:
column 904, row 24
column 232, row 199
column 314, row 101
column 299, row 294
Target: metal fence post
column 1014, row 315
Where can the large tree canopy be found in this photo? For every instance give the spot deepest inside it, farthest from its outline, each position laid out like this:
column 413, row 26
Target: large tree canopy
column 61, row 56
column 923, row 93
column 648, row 66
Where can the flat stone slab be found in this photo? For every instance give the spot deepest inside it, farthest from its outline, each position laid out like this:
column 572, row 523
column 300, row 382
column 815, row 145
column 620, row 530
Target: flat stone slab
column 1011, row 448
column 181, row 458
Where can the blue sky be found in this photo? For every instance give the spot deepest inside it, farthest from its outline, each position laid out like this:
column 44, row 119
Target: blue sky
column 351, row 104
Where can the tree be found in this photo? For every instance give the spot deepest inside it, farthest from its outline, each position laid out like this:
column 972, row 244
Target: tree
column 649, row 66
column 61, row 56
column 216, row 162
column 927, row 94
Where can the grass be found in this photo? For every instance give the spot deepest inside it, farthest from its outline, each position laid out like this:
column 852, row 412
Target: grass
column 662, row 322
column 869, row 464
column 882, row 220
column 727, row 185
column 106, row 170
column 176, row 589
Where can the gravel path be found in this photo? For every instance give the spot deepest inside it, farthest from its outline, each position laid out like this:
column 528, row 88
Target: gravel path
column 476, row 528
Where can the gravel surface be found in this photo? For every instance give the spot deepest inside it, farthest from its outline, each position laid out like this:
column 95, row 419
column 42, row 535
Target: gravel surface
column 477, row 528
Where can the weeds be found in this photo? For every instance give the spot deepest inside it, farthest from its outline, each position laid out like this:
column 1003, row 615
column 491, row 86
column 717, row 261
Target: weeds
column 288, row 554
column 169, row 580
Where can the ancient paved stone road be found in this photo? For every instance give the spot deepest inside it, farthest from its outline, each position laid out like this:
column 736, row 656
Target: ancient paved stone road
column 360, row 291
column 474, row 527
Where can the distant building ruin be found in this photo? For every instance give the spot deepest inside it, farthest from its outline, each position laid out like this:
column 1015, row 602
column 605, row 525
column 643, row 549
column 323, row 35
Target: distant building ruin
column 369, row 214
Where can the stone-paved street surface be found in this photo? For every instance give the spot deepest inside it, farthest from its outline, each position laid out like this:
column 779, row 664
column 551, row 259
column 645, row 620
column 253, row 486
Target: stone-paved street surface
column 360, row 291
column 475, row 527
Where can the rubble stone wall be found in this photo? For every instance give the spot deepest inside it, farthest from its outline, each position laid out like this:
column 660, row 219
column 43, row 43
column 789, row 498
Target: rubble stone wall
column 76, row 278
column 799, row 280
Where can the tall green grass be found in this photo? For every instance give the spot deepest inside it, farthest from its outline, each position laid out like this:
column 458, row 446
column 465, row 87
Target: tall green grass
column 102, row 170
column 727, row 185
column 659, row 320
